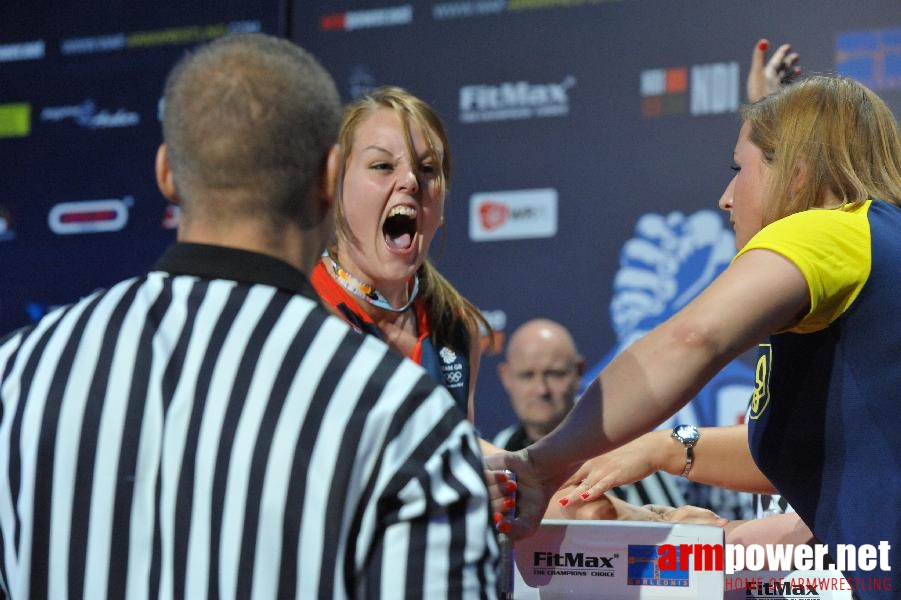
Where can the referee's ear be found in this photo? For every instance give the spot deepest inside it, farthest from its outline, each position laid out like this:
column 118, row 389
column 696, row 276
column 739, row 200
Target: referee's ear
column 328, row 184
column 164, row 179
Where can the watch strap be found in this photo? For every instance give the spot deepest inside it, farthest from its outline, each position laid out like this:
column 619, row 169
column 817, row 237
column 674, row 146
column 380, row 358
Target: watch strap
column 689, row 460
column 688, row 436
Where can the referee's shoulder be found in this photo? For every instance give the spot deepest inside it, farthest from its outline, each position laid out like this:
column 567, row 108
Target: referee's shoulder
column 15, row 337
column 18, row 336
column 52, row 316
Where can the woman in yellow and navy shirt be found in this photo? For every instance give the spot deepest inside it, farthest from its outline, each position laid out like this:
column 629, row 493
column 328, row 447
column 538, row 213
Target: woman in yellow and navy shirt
column 816, row 208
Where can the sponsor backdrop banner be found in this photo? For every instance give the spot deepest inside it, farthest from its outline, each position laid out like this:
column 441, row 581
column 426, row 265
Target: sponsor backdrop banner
column 80, row 87
column 591, row 141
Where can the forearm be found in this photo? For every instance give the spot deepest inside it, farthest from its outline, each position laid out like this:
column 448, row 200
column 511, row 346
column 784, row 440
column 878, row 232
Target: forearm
column 642, row 386
column 721, row 458
column 659, row 373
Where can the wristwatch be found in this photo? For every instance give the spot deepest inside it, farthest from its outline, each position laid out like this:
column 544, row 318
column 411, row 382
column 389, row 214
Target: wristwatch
column 688, row 436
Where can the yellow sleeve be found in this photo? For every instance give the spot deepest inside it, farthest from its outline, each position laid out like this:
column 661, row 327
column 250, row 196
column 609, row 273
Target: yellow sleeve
column 831, row 248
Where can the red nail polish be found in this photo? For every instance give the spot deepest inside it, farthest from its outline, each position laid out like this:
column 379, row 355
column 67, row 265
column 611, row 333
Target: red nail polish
column 498, row 517
column 505, row 527
column 509, row 503
column 763, row 46
column 585, row 495
column 502, row 478
column 563, row 501
column 511, row 487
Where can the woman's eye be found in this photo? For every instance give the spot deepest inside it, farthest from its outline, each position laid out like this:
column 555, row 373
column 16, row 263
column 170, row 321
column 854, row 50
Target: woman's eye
column 381, row 167
column 735, row 168
column 428, row 169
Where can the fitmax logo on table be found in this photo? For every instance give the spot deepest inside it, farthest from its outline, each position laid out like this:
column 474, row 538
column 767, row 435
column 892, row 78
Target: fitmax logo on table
column 775, row 590
column 573, row 563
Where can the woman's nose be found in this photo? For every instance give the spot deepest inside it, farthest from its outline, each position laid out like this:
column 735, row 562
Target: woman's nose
column 725, row 202
column 407, row 181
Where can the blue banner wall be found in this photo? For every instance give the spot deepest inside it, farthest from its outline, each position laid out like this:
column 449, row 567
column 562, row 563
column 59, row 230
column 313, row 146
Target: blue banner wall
column 591, row 141
column 80, row 87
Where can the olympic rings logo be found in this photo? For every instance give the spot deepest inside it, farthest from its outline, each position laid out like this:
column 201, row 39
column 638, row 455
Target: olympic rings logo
column 453, row 377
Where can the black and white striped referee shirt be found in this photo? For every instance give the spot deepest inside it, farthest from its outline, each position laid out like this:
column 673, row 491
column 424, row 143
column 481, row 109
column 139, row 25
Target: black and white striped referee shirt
column 208, row 430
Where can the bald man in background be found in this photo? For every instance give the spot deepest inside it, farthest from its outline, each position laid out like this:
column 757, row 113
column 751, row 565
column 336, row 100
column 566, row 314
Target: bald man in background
column 542, row 374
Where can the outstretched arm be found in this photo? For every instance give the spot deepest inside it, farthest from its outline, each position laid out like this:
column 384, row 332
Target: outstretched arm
column 721, row 457
column 659, row 373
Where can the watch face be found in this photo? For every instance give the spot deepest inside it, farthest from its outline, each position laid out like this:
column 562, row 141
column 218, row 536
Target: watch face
column 687, row 433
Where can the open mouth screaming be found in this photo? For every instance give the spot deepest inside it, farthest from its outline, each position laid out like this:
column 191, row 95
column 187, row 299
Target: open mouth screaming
column 400, row 227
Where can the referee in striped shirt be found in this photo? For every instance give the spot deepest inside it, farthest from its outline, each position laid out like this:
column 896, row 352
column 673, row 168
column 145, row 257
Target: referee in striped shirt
column 207, row 430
